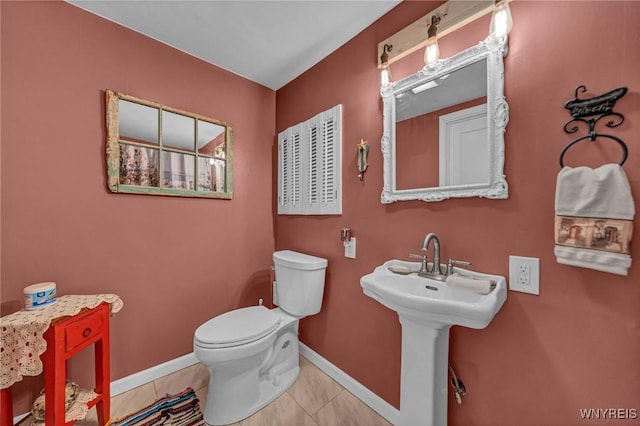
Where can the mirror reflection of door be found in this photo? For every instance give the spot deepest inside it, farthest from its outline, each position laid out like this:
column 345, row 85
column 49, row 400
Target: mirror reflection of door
column 464, row 149
column 419, row 157
column 427, row 155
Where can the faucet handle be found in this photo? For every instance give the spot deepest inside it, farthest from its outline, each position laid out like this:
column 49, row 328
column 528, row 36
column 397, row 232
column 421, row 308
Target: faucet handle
column 423, row 258
column 452, row 262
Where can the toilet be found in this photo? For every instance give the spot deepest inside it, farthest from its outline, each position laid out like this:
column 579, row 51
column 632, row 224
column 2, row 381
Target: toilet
column 252, row 353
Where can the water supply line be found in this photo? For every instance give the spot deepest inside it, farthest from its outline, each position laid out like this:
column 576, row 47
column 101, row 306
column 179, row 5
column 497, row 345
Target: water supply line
column 459, row 390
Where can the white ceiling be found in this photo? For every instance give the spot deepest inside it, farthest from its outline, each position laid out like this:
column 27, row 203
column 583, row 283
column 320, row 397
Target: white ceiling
column 270, row 42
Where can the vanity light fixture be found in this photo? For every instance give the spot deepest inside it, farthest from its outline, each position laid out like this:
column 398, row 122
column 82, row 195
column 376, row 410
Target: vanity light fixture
column 501, row 20
column 432, row 51
column 428, row 85
column 452, row 14
column 385, row 71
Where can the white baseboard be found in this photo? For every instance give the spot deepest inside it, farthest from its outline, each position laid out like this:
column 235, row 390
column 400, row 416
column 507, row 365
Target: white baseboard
column 376, row 403
column 140, row 378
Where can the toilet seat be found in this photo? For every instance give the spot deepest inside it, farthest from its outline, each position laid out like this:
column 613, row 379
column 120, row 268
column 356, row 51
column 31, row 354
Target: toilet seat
column 236, row 328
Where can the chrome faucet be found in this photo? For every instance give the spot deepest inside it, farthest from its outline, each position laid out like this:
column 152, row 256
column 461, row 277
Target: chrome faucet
column 436, row 269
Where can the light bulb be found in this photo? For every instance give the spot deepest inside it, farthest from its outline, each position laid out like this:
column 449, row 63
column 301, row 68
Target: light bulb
column 501, row 20
column 432, row 51
column 385, row 76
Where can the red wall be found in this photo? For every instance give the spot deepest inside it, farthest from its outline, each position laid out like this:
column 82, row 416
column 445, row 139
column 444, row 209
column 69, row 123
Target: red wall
column 176, row 262
column 577, row 345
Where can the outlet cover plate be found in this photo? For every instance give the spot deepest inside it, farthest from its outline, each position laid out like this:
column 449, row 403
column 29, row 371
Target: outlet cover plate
column 524, row 274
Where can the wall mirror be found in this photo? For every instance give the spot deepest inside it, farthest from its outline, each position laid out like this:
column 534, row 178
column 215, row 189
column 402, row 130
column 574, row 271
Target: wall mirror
column 444, row 129
column 155, row 149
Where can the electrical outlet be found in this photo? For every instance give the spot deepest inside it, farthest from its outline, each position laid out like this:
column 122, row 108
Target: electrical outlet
column 524, row 274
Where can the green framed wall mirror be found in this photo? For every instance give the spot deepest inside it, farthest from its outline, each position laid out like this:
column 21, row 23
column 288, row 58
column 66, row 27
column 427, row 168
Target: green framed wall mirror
column 158, row 150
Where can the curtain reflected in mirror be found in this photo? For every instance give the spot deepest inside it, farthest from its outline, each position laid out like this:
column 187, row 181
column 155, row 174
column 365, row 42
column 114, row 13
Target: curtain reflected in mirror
column 154, row 149
column 212, row 175
column 178, row 171
column 138, row 166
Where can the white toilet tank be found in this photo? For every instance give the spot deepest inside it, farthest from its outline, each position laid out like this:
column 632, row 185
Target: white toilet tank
column 299, row 282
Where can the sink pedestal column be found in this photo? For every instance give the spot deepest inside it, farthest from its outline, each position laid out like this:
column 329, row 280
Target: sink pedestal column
column 423, row 379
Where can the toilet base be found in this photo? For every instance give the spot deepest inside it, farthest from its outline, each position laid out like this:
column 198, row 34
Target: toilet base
column 268, row 393
column 239, row 388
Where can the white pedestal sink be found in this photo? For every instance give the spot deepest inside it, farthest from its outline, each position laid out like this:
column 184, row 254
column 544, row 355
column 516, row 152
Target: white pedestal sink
column 426, row 315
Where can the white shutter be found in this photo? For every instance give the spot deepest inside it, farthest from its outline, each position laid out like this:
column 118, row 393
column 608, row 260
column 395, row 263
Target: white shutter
column 290, row 172
column 331, row 162
column 310, row 166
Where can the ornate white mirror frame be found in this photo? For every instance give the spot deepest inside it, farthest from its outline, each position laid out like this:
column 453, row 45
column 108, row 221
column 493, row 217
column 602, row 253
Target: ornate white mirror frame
column 489, row 50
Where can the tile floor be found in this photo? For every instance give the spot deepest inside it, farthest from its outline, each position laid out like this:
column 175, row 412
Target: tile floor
column 314, row 400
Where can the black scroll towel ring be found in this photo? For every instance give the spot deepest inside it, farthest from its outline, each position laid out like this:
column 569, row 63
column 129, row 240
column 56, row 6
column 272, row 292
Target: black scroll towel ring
column 590, row 111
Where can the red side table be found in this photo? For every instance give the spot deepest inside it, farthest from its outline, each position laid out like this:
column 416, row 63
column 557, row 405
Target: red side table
column 65, row 338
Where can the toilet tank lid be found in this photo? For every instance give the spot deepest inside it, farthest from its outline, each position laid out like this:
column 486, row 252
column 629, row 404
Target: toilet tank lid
column 296, row 260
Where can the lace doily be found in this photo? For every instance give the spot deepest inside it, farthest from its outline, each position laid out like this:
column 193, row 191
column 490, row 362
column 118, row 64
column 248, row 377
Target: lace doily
column 22, row 342
column 78, row 411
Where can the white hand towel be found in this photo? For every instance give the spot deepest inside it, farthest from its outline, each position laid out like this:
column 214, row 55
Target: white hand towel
column 477, row 285
column 594, row 218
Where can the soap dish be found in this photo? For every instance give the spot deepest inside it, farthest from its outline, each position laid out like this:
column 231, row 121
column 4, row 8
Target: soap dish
column 400, row 269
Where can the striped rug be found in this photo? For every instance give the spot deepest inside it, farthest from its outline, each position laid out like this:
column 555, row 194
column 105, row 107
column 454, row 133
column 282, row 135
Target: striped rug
column 182, row 409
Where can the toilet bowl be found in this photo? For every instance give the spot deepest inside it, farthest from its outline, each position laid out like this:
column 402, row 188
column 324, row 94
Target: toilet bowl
column 252, row 353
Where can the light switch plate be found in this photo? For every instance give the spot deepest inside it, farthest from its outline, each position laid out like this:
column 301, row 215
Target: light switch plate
column 524, row 274
column 350, row 249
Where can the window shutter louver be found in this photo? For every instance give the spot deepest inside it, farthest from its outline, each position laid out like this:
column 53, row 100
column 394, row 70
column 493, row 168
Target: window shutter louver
column 313, row 164
column 285, row 171
column 296, row 172
column 328, row 162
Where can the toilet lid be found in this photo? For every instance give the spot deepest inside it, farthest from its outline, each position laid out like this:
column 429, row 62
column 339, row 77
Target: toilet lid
column 237, row 327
